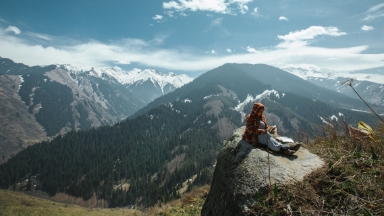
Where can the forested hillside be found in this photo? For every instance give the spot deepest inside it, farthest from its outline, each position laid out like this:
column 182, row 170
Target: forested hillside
column 177, row 137
column 57, row 99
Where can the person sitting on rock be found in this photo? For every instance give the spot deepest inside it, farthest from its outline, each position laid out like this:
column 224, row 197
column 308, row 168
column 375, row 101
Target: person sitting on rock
column 256, row 132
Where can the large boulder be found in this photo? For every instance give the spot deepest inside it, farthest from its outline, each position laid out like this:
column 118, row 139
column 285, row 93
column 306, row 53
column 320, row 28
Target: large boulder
column 242, row 171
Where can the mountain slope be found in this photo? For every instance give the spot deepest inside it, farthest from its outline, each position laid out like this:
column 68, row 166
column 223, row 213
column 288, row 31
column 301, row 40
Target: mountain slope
column 61, row 98
column 176, row 138
column 18, row 127
column 145, row 84
column 371, row 92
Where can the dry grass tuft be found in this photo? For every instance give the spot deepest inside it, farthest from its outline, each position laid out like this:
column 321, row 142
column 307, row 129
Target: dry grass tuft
column 352, row 183
column 189, row 204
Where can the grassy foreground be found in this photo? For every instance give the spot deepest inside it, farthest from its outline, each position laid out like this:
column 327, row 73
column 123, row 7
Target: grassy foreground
column 15, row 203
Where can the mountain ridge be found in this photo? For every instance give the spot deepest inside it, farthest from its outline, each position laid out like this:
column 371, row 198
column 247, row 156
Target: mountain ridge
column 369, row 86
column 61, row 98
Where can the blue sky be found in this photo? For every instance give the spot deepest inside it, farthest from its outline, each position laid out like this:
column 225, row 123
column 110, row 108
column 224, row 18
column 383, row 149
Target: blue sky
column 194, row 36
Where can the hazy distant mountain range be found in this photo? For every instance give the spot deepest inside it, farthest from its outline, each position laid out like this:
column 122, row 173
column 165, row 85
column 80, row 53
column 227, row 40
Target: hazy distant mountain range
column 370, row 91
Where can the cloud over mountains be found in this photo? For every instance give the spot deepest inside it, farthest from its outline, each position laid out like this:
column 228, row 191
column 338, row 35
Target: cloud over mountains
column 197, row 35
column 291, row 50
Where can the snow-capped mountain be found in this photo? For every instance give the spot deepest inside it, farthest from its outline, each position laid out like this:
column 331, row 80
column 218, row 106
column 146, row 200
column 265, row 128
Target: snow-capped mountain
column 64, row 97
column 369, row 86
column 133, row 77
column 311, row 71
column 147, row 84
column 61, row 98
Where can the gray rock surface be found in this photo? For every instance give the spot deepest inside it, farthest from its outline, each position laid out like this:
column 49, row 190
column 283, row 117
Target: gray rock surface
column 242, row 170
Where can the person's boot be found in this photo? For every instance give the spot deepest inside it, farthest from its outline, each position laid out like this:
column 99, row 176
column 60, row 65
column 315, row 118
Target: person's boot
column 289, row 152
column 293, row 146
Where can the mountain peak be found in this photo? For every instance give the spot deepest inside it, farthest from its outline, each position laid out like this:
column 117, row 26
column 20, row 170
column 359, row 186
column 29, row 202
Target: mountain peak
column 306, row 71
column 310, row 71
column 134, row 76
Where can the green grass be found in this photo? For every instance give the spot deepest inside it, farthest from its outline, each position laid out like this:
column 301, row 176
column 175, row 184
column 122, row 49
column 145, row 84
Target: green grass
column 16, row 203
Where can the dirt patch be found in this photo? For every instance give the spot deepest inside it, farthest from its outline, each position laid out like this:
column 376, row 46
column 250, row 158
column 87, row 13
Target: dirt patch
column 175, row 163
column 224, row 127
column 273, row 119
column 215, row 107
column 185, row 185
column 228, row 93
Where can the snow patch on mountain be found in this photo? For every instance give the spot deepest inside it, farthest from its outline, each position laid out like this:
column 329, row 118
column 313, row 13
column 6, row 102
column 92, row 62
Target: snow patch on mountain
column 325, row 122
column 21, row 81
column 208, row 96
column 333, row 117
column 135, row 76
column 357, row 110
column 306, row 71
column 250, row 98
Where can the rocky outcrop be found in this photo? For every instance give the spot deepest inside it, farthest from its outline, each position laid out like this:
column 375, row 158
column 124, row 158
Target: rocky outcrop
column 242, row 171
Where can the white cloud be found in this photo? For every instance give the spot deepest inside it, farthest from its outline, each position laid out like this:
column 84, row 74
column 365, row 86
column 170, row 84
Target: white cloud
column 243, row 9
column 242, row 5
column 217, row 22
column 370, row 17
column 40, row 36
column 213, row 52
column 13, row 29
column 367, row 28
column 229, row 50
column 157, row 17
column 217, row 6
column 256, row 12
column 300, row 38
column 151, row 55
column 283, row 18
column 374, row 12
column 251, row 50
column 311, row 33
column 169, row 13
column 375, row 8
column 1, row 20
